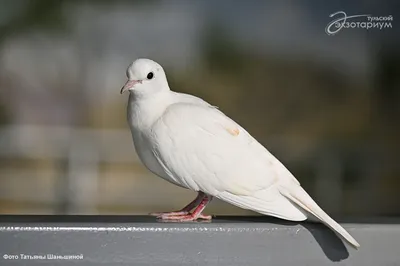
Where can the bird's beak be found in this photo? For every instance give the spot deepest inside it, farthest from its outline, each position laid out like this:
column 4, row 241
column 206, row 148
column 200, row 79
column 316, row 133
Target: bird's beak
column 129, row 85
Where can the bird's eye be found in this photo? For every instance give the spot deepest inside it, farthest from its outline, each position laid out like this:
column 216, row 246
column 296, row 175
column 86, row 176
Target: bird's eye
column 150, row 75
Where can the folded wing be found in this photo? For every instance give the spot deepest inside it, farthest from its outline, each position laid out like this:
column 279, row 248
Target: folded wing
column 205, row 150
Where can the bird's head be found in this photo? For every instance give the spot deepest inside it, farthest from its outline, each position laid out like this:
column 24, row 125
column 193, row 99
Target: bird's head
column 145, row 77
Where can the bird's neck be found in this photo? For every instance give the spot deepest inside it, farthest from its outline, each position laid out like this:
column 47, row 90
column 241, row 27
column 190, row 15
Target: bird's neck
column 144, row 111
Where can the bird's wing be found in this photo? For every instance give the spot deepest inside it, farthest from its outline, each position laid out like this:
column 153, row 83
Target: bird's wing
column 207, row 151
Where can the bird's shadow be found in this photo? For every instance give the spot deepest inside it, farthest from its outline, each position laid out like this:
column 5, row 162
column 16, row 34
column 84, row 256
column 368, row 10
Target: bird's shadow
column 333, row 247
column 330, row 243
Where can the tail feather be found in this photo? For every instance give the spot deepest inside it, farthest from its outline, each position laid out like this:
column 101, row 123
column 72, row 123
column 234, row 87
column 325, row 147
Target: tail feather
column 269, row 202
column 300, row 197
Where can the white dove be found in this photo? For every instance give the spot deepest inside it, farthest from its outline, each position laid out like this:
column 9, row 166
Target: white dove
column 192, row 144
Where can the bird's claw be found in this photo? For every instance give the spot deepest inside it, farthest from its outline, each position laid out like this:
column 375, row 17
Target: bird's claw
column 184, row 218
column 165, row 214
column 184, row 215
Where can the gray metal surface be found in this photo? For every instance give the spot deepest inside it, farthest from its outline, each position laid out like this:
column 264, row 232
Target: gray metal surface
column 140, row 240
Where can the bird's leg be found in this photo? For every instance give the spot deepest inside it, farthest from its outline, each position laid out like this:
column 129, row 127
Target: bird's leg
column 196, row 214
column 185, row 210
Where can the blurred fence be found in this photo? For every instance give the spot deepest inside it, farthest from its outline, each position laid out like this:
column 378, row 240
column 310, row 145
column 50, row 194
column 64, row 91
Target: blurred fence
column 75, row 156
column 74, row 170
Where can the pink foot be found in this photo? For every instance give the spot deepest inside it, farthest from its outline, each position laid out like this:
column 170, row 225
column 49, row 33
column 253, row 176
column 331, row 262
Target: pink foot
column 184, row 215
column 184, row 218
column 185, row 210
column 166, row 214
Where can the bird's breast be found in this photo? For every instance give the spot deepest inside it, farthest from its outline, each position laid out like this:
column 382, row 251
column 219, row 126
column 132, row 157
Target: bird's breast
column 144, row 151
column 143, row 146
column 140, row 119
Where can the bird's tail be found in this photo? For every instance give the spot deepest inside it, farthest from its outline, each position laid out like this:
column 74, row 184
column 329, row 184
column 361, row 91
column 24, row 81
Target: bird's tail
column 300, row 197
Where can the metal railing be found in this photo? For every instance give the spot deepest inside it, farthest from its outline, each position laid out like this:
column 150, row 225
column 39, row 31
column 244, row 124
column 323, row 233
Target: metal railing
column 230, row 241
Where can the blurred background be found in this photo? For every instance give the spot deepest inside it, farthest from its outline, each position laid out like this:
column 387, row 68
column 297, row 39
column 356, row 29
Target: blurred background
column 327, row 106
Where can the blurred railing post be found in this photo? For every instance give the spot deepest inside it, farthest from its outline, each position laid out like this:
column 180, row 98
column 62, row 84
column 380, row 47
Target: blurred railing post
column 83, row 162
